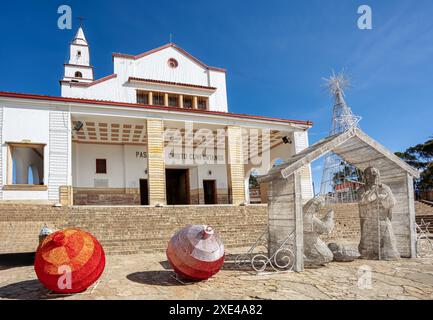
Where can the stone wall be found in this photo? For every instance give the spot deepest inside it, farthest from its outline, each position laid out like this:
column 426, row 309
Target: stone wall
column 107, row 197
column 144, row 229
column 347, row 226
column 423, row 209
column 126, row 230
column 197, row 196
column 127, row 197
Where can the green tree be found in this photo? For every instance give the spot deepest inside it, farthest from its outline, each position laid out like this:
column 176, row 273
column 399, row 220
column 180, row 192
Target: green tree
column 348, row 173
column 421, row 157
column 253, row 181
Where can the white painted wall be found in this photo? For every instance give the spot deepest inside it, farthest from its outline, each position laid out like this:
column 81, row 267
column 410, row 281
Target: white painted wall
column 300, row 143
column 219, row 173
column 136, row 165
column 59, row 156
column 155, row 67
column 84, row 164
column 126, row 165
column 11, row 195
column 79, row 54
column 86, row 72
column 25, row 123
column 109, row 90
column 218, row 101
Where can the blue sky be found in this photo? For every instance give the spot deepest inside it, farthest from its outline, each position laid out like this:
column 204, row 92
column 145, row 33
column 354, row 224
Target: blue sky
column 276, row 53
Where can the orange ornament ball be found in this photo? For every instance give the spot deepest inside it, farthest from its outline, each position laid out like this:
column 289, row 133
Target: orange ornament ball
column 69, row 261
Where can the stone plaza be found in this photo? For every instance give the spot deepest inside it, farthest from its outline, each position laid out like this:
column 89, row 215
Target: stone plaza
column 148, row 276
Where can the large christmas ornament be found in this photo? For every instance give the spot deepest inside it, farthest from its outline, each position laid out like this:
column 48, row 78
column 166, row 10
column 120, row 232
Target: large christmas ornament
column 196, row 252
column 69, row 261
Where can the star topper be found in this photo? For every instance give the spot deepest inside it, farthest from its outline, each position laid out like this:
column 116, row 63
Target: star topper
column 337, row 83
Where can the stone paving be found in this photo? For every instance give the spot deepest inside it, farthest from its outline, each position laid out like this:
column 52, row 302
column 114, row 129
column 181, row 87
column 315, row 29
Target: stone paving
column 149, row 277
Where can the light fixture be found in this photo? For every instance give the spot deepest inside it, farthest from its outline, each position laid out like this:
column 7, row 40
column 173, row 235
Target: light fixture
column 78, row 126
column 209, row 172
column 286, row 140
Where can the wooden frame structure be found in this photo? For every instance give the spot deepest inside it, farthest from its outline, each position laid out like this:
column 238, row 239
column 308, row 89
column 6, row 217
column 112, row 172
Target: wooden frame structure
column 360, row 150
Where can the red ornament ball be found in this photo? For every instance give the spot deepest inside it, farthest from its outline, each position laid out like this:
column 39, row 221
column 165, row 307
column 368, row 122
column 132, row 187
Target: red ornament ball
column 196, row 252
column 69, row 261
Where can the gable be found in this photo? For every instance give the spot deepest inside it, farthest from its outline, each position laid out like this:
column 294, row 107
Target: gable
column 353, row 146
column 154, row 65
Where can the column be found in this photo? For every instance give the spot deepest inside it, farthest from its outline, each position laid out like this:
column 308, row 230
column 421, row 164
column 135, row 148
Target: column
column 166, row 99
column 180, row 101
column 150, row 98
column 66, row 195
column 195, row 102
column 156, row 164
column 235, row 165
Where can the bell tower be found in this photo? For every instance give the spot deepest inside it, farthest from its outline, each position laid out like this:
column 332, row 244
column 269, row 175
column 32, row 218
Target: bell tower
column 78, row 68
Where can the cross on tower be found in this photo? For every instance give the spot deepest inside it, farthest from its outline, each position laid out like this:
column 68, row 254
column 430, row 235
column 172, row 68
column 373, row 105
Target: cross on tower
column 81, row 19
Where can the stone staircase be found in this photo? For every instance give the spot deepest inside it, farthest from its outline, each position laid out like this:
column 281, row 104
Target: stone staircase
column 347, row 226
column 423, row 209
column 129, row 230
column 424, row 212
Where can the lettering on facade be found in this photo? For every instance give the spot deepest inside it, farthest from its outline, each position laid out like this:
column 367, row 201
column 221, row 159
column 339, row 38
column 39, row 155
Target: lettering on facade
column 141, row 154
column 191, row 156
column 184, row 156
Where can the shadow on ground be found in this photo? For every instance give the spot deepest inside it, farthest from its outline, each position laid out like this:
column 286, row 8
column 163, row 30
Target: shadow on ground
column 8, row 261
column 25, row 290
column 157, row 278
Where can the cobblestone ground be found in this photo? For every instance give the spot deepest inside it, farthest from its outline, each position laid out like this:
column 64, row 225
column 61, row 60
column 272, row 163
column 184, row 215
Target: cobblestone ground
column 149, row 277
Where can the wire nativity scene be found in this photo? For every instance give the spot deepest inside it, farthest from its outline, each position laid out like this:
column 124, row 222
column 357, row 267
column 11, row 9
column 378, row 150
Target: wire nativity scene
column 383, row 189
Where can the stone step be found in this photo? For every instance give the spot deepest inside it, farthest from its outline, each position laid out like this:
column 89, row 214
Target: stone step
column 128, row 230
column 423, row 209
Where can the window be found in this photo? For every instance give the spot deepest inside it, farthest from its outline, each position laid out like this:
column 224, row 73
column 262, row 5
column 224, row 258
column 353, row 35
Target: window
column 172, row 63
column 79, row 53
column 142, row 97
column 173, row 100
column 187, row 102
column 78, row 74
column 158, row 99
column 101, row 166
column 202, row 103
column 25, row 164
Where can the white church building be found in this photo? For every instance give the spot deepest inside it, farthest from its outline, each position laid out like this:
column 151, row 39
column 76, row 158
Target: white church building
column 157, row 131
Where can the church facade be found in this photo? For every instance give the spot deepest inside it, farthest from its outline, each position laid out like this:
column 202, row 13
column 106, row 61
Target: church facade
column 157, row 131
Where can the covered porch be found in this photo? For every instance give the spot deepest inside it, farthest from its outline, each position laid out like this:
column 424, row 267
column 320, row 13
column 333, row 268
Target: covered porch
column 138, row 160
